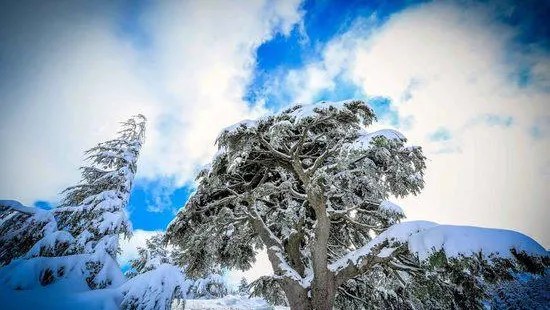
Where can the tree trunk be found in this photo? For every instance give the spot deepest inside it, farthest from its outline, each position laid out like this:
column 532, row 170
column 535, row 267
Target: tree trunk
column 323, row 303
column 323, row 293
column 323, row 284
column 297, row 298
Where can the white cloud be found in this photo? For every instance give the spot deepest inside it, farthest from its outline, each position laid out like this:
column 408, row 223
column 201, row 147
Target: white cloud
column 129, row 246
column 448, row 66
column 72, row 76
column 261, row 267
column 68, row 84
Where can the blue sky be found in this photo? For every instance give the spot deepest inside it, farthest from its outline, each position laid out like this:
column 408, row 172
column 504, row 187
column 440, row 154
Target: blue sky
column 469, row 81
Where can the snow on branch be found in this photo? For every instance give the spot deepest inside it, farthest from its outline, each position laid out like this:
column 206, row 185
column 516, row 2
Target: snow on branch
column 17, row 206
column 424, row 238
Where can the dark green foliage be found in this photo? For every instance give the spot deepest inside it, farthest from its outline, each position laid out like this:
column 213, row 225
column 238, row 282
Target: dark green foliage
column 526, row 291
column 268, row 288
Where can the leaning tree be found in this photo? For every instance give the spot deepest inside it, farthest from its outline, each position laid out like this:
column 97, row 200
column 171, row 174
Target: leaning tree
column 310, row 185
column 80, row 237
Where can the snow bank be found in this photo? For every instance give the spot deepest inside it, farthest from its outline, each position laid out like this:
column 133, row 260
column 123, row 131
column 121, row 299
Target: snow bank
column 54, row 297
column 26, row 274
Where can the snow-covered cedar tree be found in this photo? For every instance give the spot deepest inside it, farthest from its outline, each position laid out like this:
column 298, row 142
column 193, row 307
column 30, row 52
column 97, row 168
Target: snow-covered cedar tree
column 94, row 211
column 78, row 238
column 311, row 185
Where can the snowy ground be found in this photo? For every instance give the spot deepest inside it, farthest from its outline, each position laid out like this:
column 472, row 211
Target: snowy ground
column 230, row 303
column 53, row 299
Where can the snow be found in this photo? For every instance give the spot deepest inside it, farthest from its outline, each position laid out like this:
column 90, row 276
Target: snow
column 365, row 138
column 309, row 110
column 57, row 298
column 54, row 297
column 154, row 289
column 247, row 123
column 25, row 274
column 230, row 303
column 16, row 205
column 425, row 238
column 467, row 240
column 391, row 207
column 49, row 243
column 39, row 215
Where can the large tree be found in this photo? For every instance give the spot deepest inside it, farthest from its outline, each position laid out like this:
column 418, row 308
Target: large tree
column 310, row 185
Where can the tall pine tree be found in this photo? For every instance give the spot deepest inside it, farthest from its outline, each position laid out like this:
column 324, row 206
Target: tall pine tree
column 79, row 238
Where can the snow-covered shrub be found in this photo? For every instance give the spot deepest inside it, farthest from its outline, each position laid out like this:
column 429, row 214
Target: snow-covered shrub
column 155, row 289
column 210, row 287
column 244, row 288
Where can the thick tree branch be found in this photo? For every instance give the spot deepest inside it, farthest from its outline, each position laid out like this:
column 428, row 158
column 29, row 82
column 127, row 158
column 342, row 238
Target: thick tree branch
column 216, row 203
column 275, row 248
column 375, row 255
column 272, row 149
column 14, row 206
column 321, row 159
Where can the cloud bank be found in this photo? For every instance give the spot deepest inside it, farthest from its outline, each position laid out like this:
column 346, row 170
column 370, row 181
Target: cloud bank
column 74, row 70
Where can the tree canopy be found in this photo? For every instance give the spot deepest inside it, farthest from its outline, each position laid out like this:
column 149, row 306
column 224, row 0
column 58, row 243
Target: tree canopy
column 311, row 186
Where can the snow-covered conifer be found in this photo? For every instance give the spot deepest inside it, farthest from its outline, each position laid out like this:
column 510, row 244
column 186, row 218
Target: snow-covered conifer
column 26, row 231
column 79, row 238
column 311, row 185
column 524, row 292
column 94, row 211
column 209, row 287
